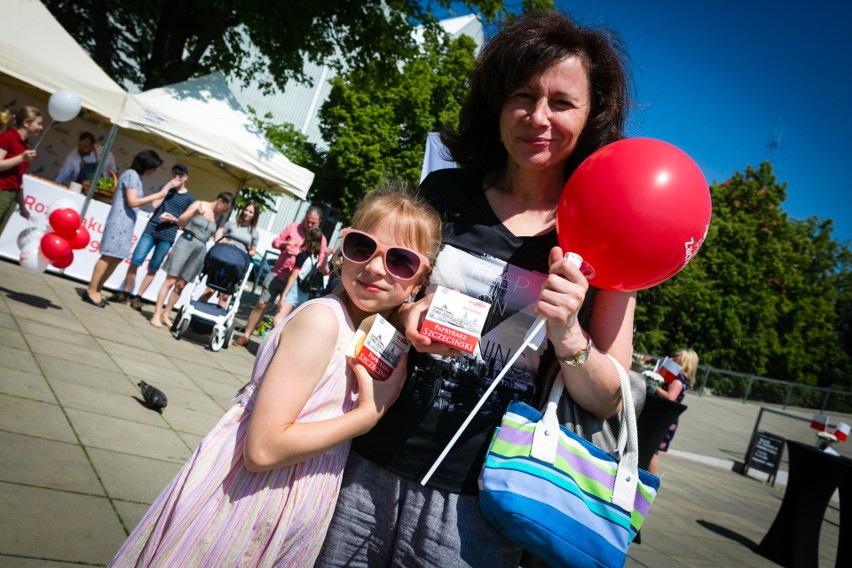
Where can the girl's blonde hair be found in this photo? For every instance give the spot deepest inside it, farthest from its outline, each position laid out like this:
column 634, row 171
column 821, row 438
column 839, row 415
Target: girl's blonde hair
column 7, row 120
column 688, row 363
column 417, row 222
column 18, row 119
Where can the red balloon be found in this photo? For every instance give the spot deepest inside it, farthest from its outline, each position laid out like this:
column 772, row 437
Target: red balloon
column 80, row 239
column 637, row 211
column 64, row 262
column 54, row 247
column 65, row 222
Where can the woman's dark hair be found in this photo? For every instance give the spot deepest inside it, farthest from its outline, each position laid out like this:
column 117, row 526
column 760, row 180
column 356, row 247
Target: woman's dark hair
column 527, row 47
column 146, row 160
column 313, row 242
column 227, row 197
column 254, row 218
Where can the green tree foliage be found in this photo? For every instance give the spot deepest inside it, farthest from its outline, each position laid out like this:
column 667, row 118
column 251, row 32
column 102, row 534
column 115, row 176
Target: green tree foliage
column 151, row 44
column 376, row 123
column 766, row 295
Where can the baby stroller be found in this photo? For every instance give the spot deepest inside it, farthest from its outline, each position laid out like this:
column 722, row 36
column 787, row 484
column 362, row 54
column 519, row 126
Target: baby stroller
column 226, row 270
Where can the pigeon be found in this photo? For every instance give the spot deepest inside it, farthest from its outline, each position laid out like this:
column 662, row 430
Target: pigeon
column 155, row 399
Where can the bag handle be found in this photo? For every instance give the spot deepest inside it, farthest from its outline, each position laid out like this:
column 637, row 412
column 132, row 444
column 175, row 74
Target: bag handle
column 546, row 439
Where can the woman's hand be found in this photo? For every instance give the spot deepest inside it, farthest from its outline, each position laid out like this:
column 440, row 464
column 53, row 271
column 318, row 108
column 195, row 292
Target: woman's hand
column 375, row 397
column 28, row 155
column 167, row 217
column 561, row 298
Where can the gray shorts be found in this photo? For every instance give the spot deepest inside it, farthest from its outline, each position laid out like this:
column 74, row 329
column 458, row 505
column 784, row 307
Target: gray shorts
column 383, row 520
column 272, row 288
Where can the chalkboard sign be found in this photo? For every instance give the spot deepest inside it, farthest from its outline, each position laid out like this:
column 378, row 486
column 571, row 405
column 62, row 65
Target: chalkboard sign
column 766, row 453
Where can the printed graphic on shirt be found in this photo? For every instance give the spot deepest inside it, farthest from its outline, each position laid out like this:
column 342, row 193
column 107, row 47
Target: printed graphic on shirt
column 457, row 383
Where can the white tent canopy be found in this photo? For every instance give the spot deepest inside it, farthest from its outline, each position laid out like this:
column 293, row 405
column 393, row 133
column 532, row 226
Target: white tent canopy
column 37, row 51
column 203, row 124
column 203, row 118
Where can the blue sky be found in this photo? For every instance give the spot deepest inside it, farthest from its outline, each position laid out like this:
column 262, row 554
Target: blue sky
column 721, row 79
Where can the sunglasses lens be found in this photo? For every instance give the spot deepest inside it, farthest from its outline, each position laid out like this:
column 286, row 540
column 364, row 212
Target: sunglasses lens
column 402, row 263
column 358, row 247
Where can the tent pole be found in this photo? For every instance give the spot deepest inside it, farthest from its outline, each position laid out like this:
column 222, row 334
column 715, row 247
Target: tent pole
column 99, row 168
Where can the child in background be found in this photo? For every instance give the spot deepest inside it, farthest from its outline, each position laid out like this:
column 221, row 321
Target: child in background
column 688, row 361
column 293, row 296
column 261, row 487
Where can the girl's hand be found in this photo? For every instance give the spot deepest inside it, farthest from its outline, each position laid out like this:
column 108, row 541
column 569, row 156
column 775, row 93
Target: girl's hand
column 560, row 301
column 167, row 217
column 409, row 318
column 375, row 397
column 28, row 155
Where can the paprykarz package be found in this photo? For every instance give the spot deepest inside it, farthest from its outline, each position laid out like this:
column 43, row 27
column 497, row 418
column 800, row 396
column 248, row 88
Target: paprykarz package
column 455, row 319
column 378, row 346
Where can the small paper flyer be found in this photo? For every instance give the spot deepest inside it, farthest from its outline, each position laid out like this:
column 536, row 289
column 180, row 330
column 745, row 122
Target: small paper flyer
column 378, row 346
column 455, row 319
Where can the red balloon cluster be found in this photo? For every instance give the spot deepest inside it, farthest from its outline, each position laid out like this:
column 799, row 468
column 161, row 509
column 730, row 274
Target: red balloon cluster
column 68, row 234
column 637, row 211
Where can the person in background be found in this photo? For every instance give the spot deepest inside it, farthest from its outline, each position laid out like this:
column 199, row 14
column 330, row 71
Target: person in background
column 545, row 93
column 241, row 233
column 675, row 390
column 199, row 222
column 80, row 164
column 293, row 296
column 260, row 488
column 117, row 238
column 15, row 156
column 159, row 236
column 289, row 242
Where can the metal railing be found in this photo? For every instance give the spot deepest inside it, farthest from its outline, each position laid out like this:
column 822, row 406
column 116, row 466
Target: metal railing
column 733, row 384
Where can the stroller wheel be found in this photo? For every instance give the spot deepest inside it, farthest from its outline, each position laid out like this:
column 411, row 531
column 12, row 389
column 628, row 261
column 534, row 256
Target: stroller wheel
column 229, row 333
column 177, row 319
column 217, row 338
column 179, row 326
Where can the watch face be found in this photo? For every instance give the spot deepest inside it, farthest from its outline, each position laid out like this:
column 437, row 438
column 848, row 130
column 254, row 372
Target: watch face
column 581, row 357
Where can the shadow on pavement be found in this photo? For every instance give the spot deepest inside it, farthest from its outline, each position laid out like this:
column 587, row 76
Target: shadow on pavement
column 728, row 533
column 30, row 300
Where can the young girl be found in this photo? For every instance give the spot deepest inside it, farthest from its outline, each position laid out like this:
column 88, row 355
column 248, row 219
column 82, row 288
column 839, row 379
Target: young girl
column 15, row 155
column 293, row 297
column 261, row 487
column 688, row 361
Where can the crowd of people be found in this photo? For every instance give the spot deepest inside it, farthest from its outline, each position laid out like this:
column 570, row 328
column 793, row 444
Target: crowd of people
column 319, row 464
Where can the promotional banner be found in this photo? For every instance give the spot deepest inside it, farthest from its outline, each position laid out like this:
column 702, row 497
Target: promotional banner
column 39, row 194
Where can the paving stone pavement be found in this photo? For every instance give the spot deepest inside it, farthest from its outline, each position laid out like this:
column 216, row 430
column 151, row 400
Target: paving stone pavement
column 81, row 459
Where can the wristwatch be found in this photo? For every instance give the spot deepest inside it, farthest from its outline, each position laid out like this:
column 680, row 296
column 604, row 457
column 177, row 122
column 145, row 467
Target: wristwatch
column 580, row 358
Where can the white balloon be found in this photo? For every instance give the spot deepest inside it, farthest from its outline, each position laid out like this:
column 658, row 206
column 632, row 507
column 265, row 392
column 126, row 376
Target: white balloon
column 32, row 261
column 29, row 235
column 63, row 105
column 63, row 203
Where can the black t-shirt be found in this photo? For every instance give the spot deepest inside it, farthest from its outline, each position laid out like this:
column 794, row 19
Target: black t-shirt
column 482, row 259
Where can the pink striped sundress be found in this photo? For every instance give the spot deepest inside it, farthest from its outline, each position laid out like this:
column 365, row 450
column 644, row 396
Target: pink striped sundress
column 217, row 513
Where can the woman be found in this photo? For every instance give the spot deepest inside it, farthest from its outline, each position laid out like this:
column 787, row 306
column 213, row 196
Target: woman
column 242, row 234
column 199, row 222
column 545, row 94
column 117, row 239
column 675, row 390
column 15, row 156
column 306, row 261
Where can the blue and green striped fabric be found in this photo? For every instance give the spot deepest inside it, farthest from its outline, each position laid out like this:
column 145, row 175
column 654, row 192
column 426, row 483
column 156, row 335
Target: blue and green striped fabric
column 561, row 512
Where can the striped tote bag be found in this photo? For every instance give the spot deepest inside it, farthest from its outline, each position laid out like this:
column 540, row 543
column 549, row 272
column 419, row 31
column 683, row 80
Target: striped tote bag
column 560, row 497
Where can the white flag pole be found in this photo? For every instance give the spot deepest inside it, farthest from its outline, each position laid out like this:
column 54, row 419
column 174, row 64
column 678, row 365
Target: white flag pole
column 533, row 338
